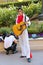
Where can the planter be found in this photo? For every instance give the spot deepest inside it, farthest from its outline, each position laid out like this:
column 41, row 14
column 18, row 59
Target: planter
column 32, row 35
column 35, row 35
column 40, row 34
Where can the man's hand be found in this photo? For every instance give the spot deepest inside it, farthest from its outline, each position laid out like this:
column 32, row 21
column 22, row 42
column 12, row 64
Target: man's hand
column 16, row 41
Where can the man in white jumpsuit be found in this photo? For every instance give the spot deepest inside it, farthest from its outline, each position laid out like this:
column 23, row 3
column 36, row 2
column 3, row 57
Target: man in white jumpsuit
column 23, row 38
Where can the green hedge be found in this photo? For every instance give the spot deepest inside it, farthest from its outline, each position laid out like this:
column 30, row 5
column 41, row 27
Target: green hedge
column 7, row 16
column 5, row 29
column 35, row 28
column 18, row 3
column 32, row 9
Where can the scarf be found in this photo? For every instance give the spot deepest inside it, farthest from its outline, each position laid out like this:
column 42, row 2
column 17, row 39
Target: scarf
column 20, row 18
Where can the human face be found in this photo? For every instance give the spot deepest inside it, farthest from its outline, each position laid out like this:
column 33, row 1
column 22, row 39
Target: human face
column 20, row 12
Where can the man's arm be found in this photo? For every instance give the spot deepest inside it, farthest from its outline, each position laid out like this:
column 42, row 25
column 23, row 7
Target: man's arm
column 16, row 41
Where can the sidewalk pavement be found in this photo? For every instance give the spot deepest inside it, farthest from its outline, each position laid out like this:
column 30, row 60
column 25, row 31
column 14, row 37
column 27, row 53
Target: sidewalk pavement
column 14, row 59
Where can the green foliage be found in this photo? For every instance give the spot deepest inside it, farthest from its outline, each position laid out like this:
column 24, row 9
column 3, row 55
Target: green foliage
column 35, row 1
column 19, row 3
column 7, row 16
column 41, row 27
column 32, row 9
column 5, row 29
column 15, row 3
column 35, row 28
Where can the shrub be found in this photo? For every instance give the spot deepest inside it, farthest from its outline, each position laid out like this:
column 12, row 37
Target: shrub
column 35, row 28
column 32, row 9
column 39, row 8
column 15, row 3
column 41, row 27
column 7, row 16
column 5, row 29
column 19, row 3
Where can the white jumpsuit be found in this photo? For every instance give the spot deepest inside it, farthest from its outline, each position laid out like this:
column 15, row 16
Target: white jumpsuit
column 24, row 40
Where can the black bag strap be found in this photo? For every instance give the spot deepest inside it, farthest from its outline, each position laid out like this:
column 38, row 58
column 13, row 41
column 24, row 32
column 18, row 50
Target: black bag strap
column 25, row 18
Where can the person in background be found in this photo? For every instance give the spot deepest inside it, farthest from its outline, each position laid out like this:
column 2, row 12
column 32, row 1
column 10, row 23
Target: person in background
column 23, row 38
column 10, row 43
column 4, row 35
column 1, row 38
